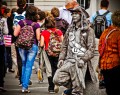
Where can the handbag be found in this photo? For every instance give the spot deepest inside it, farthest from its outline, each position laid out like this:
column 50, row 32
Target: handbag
column 98, row 70
column 7, row 40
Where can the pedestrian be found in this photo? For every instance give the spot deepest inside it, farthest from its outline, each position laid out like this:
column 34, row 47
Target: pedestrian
column 21, row 10
column 13, row 39
column 40, row 65
column 64, row 11
column 104, row 5
column 2, row 55
column 109, row 50
column 8, row 58
column 76, row 53
column 45, row 43
column 28, row 55
column 59, row 22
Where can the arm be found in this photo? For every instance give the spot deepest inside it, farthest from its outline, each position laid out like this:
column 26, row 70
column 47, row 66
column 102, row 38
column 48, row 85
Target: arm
column 90, row 46
column 61, row 37
column 42, row 41
column 38, row 34
column 5, row 29
column 17, row 30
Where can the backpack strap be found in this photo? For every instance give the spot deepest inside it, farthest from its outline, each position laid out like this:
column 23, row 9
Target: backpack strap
column 106, row 13
column 97, row 12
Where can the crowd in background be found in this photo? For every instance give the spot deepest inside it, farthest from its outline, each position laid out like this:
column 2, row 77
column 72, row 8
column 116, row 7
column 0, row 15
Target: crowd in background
column 66, row 22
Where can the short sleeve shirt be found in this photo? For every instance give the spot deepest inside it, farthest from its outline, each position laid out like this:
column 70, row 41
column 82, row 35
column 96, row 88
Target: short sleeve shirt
column 108, row 16
column 46, row 35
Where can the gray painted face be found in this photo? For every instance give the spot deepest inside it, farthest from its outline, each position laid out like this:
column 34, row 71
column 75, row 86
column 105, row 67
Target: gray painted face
column 76, row 17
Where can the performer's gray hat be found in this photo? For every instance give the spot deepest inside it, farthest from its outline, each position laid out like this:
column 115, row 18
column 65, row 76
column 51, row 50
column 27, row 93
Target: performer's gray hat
column 80, row 9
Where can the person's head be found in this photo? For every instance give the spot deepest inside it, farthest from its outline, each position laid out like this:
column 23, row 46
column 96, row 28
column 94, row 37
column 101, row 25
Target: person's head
column 31, row 13
column 104, row 4
column 41, row 15
column 77, row 13
column 4, row 4
column 21, row 3
column 55, row 12
column 49, row 22
column 116, row 18
column 70, row 4
column 7, row 12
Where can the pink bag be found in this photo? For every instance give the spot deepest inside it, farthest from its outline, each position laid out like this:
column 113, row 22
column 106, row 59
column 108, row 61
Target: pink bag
column 7, row 40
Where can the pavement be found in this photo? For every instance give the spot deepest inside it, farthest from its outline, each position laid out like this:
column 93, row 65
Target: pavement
column 41, row 88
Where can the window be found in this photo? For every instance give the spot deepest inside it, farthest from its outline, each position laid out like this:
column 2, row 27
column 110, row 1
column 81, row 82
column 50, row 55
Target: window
column 84, row 3
column 30, row 2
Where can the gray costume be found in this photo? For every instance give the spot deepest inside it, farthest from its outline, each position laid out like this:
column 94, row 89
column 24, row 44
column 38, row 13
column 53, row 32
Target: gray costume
column 78, row 45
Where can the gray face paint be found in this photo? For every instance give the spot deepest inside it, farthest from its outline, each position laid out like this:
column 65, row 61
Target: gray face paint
column 76, row 17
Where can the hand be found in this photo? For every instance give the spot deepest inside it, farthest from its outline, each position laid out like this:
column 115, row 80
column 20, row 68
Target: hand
column 60, row 63
column 81, row 63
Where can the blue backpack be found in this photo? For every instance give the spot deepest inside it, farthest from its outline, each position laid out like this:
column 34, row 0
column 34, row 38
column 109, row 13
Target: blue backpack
column 18, row 17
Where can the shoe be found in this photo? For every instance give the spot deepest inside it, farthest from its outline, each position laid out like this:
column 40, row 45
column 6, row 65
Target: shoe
column 51, row 91
column 20, row 84
column 25, row 91
column 11, row 70
column 56, row 89
column 39, row 74
column 30, row 82
column 2, row 89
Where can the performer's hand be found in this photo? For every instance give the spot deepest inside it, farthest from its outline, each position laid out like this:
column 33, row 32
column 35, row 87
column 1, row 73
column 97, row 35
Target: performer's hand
column 81, row 63
column 60, row 63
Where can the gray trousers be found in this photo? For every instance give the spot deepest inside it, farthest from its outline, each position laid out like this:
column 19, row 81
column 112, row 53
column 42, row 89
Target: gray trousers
column 66, row 76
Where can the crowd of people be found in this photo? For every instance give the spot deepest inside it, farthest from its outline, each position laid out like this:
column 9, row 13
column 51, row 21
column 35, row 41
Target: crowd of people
column 64, row 39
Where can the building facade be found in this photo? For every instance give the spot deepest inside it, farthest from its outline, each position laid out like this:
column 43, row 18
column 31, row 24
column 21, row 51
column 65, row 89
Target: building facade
column 48, row 4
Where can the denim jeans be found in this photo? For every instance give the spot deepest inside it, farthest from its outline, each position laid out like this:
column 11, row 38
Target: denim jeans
column 28, row 58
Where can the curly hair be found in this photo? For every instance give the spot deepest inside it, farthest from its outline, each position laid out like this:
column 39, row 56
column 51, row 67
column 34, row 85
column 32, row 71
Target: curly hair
column 116, row 18
column 55, row 12
column 31, row 13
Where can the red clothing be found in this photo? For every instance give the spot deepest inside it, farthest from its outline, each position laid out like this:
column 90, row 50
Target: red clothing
column 111, row 55
column 46, row 35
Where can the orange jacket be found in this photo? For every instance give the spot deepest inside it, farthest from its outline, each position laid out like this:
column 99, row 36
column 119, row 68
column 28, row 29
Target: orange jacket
column 111, row 55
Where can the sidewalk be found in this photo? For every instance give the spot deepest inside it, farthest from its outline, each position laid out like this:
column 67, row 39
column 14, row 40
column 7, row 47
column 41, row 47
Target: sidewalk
column 12, row 85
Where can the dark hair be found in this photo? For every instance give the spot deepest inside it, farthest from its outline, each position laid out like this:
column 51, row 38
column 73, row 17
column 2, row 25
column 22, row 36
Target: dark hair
column 4, row 3
column 55, row 12
column 21, row 6
column 31, row 13
column 21, row 3
column 49, row 22
column 7, row 10
column 41, row 15
column 116, row 18
column 12, row 12
column 104, row 3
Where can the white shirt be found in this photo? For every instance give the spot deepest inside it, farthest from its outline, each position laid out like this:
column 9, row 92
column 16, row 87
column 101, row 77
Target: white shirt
column 5, row 29
column 65, row 14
